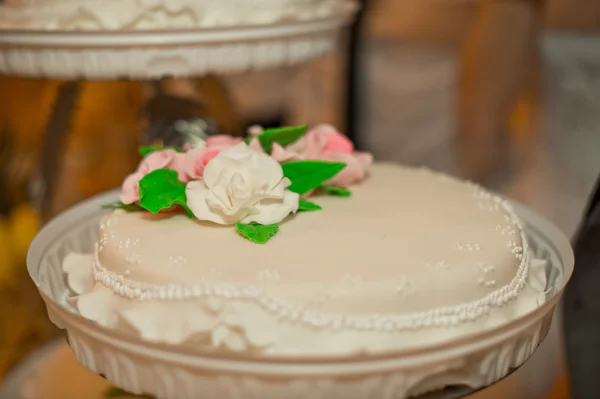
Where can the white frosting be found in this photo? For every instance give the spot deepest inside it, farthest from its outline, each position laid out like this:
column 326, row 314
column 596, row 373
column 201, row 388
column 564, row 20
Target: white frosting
column 158, row 14
column 241, row 185
column 410, row 252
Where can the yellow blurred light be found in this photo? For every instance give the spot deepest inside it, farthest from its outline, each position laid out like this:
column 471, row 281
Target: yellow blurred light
column 24, row 223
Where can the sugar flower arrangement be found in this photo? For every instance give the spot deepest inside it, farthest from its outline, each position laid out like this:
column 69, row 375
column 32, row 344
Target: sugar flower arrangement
column 253, row 184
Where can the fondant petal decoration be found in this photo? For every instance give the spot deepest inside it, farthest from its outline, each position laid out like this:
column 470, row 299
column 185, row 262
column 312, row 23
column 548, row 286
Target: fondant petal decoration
column 100, row 305
column 161, row 322
column 78, row 268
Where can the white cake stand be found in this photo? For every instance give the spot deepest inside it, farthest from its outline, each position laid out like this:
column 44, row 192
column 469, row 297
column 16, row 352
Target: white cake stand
column 467, row 364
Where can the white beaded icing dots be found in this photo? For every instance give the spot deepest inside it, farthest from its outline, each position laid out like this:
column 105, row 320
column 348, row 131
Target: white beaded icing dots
column 468, row 246
column 177, row 260
column 486, row 272
column 435, row 317
column 268, row 275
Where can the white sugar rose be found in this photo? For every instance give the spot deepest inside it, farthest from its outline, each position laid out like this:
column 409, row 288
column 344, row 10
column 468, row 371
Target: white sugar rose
column 241, row 185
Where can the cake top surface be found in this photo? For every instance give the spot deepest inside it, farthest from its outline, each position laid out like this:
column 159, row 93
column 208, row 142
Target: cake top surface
column 272, row 220
column 409, row 240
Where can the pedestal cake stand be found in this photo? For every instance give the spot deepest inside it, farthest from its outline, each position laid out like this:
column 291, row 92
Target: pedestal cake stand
column 461, row 366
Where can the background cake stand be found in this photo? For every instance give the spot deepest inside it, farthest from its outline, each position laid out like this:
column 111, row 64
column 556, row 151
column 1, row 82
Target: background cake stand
column 76, row 56
column 110, row 55
column 475, row 361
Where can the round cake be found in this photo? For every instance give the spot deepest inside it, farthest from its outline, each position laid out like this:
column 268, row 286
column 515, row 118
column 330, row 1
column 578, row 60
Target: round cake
column 374, row 258
column 154, row 14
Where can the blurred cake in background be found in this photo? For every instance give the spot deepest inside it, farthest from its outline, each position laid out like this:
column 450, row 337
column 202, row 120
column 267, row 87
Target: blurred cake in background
column 67, row 134
column 155, row 14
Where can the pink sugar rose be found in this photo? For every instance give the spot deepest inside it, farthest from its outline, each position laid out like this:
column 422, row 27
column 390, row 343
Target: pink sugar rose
column 320, row 140
column 325, row 143
column 355, row 170
column 156, row 160
column 333, row 140
column 197, row 159
column 338, row 148
column 310, row 146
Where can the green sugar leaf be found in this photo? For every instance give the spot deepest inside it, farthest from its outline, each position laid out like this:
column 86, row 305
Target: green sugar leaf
column 148, row 149
column 308, row 175
column 336, row 191
column 307, row 206
column 257, row 233
column 125, row 207
column 161, row 190
column 282, row 136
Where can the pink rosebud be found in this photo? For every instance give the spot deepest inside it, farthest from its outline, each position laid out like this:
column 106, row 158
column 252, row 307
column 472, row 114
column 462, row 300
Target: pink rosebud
column 178, row 164
column 156, row 160
column 130, row 190
column 355, row 170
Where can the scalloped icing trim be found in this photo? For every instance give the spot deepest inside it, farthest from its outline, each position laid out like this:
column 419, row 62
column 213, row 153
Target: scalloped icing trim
column 242, row 326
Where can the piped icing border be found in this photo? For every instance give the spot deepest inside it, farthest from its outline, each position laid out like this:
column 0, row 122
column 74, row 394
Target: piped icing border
column 435, row 317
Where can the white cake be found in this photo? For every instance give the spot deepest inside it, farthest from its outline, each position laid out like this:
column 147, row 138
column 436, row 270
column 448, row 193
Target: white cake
column 160, row 14
column 412, row 258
